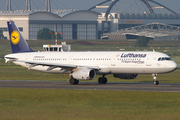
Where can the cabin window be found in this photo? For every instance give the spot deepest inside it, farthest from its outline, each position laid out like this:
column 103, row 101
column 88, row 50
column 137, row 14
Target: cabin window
column 51, row 48
column 55, row 49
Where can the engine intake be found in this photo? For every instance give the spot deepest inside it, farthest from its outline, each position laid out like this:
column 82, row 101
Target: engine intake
column 126, row 76
column 84, row 74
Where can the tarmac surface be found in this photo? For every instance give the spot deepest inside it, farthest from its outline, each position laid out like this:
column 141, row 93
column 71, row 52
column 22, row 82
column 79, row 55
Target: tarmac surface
column 162, row 87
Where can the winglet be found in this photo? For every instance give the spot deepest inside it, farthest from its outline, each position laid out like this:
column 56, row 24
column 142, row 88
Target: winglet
column 18, row 44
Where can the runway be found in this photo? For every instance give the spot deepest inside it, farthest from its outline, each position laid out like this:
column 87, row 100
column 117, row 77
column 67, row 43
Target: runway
column 162, row 87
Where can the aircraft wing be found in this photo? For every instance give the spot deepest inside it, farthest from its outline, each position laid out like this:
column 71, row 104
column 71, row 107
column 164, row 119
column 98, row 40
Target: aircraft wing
column 67, row 67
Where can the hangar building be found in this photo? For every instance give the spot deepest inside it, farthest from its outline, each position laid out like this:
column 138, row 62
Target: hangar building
column 116, row 16
column 73, row 24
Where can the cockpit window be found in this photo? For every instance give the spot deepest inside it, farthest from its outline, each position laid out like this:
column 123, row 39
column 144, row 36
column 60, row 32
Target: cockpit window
column 164, row 58
column 168, row 59
column 159, row 59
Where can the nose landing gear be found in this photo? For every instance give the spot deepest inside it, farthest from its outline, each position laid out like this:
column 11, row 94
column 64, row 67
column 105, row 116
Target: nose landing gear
column 155, row 81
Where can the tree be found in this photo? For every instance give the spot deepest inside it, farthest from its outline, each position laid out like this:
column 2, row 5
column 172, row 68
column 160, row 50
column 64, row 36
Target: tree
column 2, row 36
column 47, row 34
column 142, row 41
column 43, row 34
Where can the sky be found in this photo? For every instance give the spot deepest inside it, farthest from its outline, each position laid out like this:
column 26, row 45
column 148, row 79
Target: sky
column 84, row 4
column 79, row 4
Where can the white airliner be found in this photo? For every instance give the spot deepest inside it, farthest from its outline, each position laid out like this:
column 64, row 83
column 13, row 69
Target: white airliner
column 86, row 65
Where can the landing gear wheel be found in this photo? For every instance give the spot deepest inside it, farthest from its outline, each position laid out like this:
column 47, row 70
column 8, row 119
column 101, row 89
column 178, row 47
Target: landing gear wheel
column 155, row 81
column 76, row 81
column 73, row 81
column 102, row 80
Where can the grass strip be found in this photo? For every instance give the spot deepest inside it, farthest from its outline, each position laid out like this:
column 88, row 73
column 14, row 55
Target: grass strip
column 55, row 104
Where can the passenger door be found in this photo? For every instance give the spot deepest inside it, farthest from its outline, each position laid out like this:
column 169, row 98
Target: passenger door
column 148, row 61
column 113, row 61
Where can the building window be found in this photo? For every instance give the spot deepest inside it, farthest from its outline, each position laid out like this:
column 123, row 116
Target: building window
column 20, row 29
column 4, row 29
column 91, row 31
column 81, row 31
column 34, row 28
column 67, row 30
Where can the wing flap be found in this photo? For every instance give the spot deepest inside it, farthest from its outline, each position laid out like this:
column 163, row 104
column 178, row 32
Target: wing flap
column 32, row 65
column 52, row 66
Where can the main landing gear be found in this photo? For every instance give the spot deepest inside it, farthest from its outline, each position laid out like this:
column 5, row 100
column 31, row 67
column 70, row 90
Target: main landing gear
column 73, row 81
column 102, row 80
column 155, row 81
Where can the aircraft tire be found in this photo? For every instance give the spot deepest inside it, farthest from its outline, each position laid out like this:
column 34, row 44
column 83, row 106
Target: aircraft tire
column 102, row 80
column 156, row 82
column 76, row 81
column 73, row 81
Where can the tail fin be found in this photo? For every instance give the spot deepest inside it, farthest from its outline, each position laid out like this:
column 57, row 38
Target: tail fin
column 18, row 44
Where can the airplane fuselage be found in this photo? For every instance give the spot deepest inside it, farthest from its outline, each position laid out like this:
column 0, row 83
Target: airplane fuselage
column 107, row 62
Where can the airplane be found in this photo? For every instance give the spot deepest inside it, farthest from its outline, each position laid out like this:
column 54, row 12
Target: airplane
column 86, row 65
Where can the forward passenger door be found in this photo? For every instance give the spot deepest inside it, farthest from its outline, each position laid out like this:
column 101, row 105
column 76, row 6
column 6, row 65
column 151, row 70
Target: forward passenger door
column 148, row 61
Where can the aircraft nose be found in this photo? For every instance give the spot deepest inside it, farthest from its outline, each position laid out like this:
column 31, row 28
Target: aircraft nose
column 174, row 66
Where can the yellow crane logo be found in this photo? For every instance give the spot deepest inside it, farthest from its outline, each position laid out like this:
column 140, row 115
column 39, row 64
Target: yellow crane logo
column 15, row 37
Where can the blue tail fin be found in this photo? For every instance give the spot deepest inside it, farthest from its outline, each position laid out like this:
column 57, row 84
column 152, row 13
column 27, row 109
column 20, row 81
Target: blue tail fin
column 18, row 44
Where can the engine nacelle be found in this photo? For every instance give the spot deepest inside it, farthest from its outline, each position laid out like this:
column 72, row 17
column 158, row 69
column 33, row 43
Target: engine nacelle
column 84, row 74
column 126, row 76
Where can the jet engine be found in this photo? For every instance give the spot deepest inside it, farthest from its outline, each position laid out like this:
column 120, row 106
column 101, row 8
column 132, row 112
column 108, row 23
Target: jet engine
column 126, row 76
column 84, row 74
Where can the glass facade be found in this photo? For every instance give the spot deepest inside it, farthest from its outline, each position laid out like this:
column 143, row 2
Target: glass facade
column 81, row 31
column 67, row 30
column 34, row 28
column 91, row 31
column 59, row 28
column 70, row 31
column 6, row 29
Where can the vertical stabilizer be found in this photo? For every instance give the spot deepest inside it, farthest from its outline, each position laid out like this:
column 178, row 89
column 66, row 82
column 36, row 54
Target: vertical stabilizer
column 18, row 44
